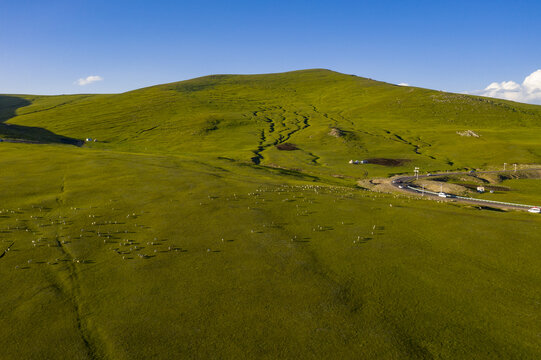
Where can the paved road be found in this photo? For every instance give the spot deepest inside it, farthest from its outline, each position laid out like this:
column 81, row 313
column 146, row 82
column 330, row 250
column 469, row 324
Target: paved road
column 404, row 184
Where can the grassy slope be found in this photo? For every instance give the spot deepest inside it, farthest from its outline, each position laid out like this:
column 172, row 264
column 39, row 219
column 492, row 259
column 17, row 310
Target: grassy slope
column 233, row 115
column 523, row 191
column 259, row 265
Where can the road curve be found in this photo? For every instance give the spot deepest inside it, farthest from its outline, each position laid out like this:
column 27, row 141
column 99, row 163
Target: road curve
column 404, row 184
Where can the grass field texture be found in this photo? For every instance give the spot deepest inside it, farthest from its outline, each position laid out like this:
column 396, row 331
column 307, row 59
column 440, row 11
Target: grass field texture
column 184, row 232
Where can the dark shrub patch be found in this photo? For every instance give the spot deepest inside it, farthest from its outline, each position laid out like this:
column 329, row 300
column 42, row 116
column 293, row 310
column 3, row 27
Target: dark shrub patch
column 287, row 146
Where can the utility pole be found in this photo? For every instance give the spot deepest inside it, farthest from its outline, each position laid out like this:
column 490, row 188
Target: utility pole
column 416, row 171
column 504, row 165
column 515, row 167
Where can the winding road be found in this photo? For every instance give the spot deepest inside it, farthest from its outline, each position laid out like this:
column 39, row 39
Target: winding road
column 405, row 184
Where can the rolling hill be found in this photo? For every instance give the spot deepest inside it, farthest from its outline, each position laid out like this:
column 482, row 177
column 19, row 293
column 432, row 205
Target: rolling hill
column 244, row 117
column 219, row 218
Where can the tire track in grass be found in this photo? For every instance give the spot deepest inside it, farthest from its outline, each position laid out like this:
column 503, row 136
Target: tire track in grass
column 391, row 137
column 72, row 298
column 325, row 115
column 7, row 249
column 55, row 106
column 70, row 287
column 416, row 147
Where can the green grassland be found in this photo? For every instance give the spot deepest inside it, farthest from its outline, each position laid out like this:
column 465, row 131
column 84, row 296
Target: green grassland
column 243, row 117
column 183, row 232
column 522, row 191
column 521, row 187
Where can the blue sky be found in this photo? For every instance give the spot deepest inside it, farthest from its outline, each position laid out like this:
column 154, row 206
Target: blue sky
column 47, row 46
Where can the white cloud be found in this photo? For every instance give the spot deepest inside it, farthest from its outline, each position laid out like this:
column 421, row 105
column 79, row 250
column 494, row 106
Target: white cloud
column 88, row 80
column 532, row 83
column 403, row 84
column 528, row 92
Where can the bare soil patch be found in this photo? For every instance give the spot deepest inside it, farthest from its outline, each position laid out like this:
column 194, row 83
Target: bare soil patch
column 336, row 132
column 468, row 133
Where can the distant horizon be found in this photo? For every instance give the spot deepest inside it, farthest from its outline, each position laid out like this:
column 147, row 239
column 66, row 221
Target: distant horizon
column 482, row 93
column 113, row 47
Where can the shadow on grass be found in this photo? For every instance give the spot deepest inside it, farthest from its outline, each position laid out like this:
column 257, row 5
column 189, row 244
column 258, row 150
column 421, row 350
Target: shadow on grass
column 26, row 134
column 490, row 208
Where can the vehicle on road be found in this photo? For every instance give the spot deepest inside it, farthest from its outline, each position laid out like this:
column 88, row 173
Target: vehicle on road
column 406, row 184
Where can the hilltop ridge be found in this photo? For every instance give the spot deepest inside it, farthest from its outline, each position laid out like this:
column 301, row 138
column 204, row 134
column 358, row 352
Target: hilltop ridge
column 245, row 118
